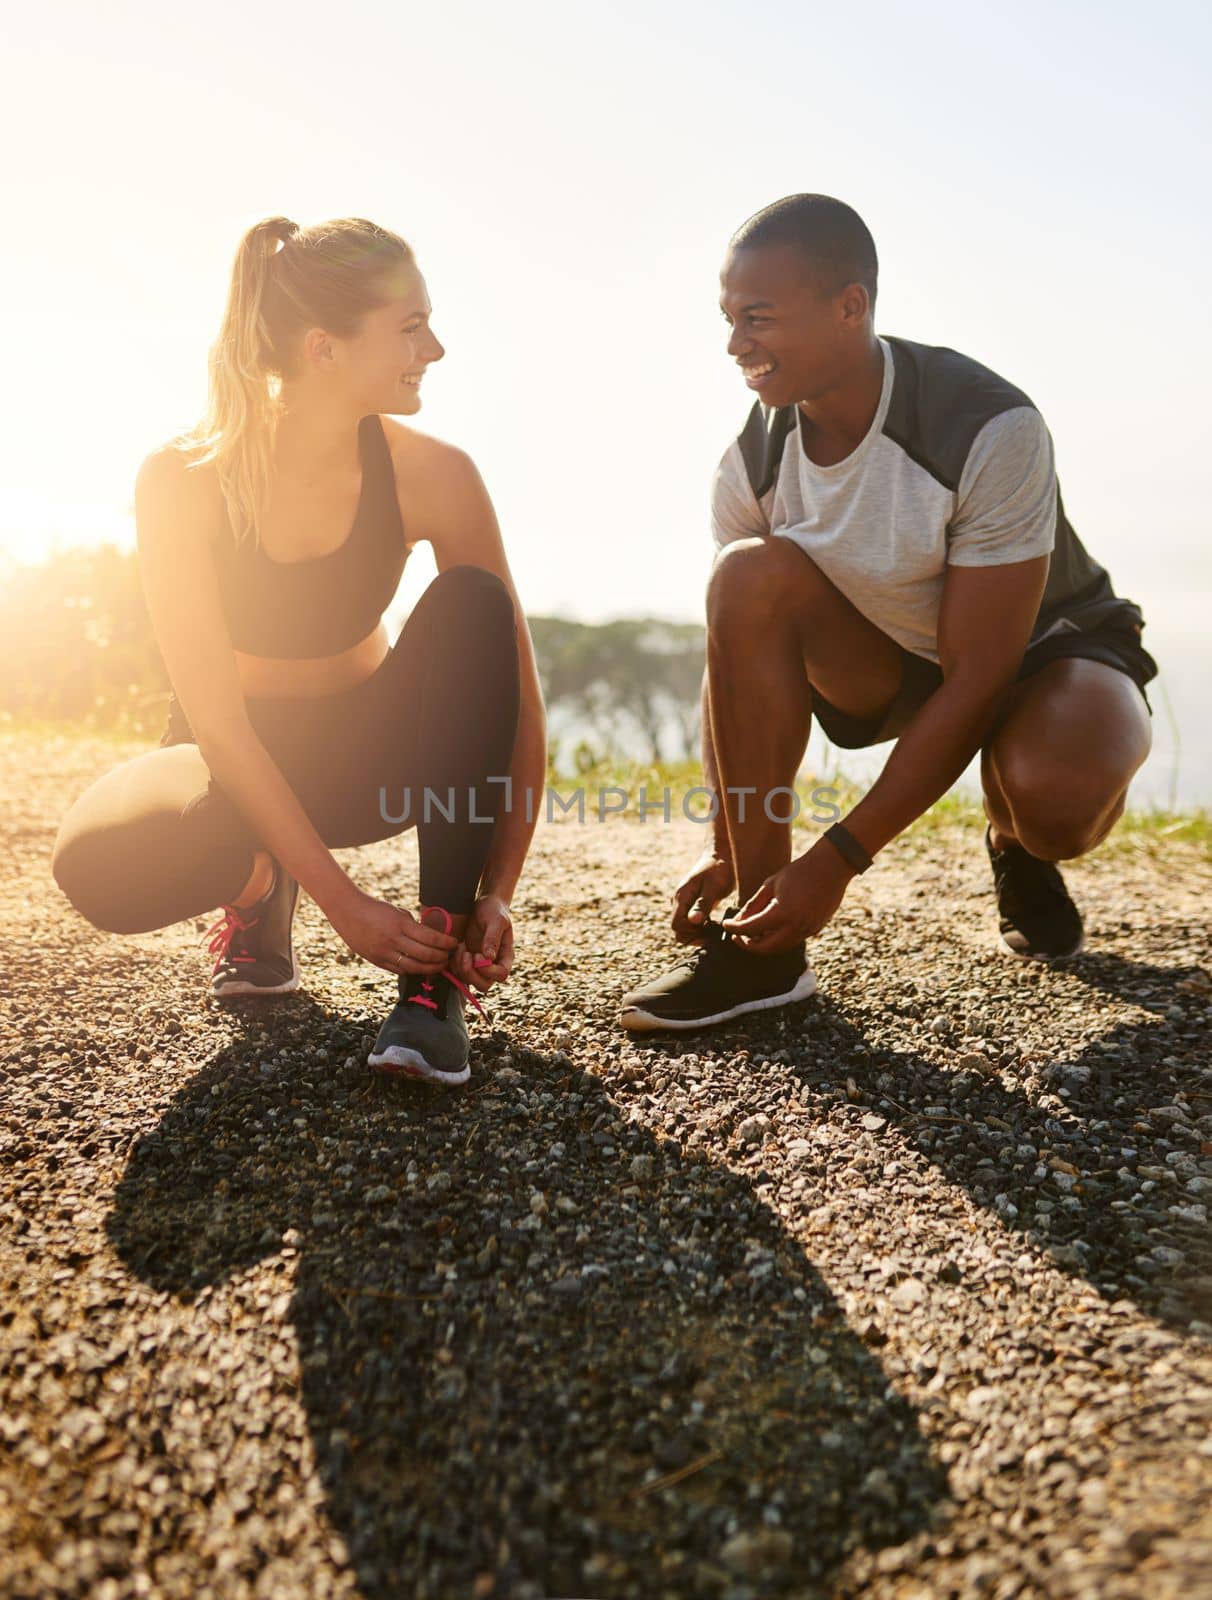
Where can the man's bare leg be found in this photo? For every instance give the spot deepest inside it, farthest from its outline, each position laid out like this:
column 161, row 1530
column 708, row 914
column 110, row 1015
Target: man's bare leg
column 1056, row 770
column 775, row 626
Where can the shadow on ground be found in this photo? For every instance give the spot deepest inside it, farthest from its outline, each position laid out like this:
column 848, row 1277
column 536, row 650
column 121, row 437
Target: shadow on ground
column 515, row 1308
column 1109, row 1109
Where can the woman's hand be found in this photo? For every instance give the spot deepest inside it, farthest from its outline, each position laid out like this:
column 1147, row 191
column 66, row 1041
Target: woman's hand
column 390, row 938
column 485, row 956
column 707, row 882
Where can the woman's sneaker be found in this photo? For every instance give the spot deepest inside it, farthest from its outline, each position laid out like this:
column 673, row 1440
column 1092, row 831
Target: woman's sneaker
column 253, row 946
column 719, row 980
column 1036, row 913
column 425, row 1034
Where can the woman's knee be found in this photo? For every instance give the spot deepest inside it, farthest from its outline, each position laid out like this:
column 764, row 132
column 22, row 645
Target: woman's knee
column 471, row 594
column 83, row 865
column 477, row 624
column 149, row 843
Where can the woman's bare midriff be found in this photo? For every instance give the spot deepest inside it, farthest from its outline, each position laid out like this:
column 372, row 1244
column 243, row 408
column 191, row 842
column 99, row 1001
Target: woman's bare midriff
column 272, row 676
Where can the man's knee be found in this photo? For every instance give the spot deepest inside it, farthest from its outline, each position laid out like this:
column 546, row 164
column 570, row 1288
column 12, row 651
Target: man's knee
column 1055, row 815
column 752, row 578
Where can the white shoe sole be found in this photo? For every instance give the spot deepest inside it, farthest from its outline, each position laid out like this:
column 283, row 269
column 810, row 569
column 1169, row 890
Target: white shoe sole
column 291, row 984
column 400, row 1062
column 637, row 1021
column 1035, row 955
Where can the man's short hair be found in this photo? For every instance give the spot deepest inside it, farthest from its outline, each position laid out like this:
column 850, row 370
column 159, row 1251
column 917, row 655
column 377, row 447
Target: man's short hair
column 830, row 235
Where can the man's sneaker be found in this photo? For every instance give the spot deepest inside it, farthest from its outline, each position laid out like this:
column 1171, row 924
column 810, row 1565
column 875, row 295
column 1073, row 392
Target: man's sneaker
column 425, row 1033
column 253, row 946
column 1036, row 915
column 718, row 981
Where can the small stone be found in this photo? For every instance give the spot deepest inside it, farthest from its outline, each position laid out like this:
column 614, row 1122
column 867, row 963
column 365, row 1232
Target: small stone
column 1167, row 1256
column 908, row 1294
column 878, row 1483
column 84, row 1427
column 870, row 1332
column 760, row 1554
column 642, row 1167
column 981, row 1398
column 1167, row 1114
column 754, row 1129
column 673, row 1452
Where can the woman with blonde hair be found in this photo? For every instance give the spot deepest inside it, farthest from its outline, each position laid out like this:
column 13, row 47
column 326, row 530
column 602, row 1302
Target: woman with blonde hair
column 271, row 540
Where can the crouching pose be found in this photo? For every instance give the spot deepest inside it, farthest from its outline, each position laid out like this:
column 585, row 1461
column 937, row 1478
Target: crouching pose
column 894, row 558
column 271, row 541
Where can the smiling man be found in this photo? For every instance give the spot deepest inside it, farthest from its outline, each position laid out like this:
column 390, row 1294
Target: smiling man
column 893, row 558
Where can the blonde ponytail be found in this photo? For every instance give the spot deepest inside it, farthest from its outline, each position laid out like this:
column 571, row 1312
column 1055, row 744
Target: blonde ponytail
column 284, row 280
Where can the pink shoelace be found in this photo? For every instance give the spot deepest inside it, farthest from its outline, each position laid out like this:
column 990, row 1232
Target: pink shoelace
column 424, row 997
column 224, row 931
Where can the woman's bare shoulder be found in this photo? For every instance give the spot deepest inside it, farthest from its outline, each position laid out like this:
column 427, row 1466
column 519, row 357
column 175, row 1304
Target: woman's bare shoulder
column 444, row 500
column 174, row 475
column 424, row 455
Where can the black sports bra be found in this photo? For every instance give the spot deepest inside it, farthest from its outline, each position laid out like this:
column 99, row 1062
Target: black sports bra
column 320, row 607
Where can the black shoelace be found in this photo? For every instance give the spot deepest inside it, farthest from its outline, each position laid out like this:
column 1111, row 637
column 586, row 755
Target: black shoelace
column 716, row 940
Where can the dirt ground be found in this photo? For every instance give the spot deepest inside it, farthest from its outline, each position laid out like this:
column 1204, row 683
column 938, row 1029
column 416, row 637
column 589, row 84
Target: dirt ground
column 905, row 1291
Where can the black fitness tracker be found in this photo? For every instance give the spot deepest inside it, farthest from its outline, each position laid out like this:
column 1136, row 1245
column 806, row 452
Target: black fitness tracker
column 848, row 847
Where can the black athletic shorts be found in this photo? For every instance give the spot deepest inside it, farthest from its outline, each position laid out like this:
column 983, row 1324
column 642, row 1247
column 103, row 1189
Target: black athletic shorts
column 1118, row 645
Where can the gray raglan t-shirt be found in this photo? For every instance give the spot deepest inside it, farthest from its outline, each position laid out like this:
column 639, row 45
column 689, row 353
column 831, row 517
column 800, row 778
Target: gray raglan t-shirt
column 956, row 469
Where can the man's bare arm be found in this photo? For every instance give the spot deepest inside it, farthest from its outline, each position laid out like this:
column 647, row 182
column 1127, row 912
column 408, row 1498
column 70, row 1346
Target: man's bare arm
column 985, row 622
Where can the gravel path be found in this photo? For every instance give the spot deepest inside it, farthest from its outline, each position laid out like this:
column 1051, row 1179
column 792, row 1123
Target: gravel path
column 907, row 1292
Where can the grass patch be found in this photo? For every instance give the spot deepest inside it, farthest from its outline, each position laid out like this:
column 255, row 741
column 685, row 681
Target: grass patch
column 1150, row 830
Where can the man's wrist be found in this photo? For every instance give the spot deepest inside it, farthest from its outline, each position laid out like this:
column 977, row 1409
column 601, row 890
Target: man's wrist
column 852, row 852
column 832, row 858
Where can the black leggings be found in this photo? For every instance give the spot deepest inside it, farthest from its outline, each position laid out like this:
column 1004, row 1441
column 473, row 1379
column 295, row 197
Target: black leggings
column 156, row 840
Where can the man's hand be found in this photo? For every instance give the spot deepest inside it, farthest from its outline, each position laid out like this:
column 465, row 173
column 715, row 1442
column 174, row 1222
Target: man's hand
column 703, row 887
column 793, row 903
column 487, row 939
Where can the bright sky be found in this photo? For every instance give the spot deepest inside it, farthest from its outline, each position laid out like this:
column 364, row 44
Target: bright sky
column 569, row 176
